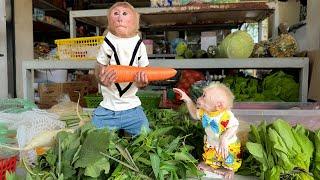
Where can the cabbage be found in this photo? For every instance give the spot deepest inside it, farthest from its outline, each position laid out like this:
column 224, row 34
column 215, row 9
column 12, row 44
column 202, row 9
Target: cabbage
column 188, row 54
column 181, row 48
column 282, row 85
column 236, row 45
column 201, row 54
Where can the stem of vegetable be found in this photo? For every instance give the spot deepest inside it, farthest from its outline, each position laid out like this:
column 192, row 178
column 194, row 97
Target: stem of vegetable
column 59, row 157
column 123, row 163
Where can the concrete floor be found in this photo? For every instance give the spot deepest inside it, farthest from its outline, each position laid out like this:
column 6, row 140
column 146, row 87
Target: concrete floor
column 212, row 176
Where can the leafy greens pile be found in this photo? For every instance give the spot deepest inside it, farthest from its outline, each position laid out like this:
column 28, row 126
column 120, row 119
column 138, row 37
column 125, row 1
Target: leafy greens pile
column 277, row 86
column 92, row 153
column 279, row 151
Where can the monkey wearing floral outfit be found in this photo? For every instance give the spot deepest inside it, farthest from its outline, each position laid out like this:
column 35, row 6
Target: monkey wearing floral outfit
column 221, row 145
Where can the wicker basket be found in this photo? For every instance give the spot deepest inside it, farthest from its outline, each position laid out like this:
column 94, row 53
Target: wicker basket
column 8, row 164
column 85, row 48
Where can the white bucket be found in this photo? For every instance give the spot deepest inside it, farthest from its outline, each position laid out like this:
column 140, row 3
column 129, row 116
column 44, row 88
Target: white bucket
column 57, row 76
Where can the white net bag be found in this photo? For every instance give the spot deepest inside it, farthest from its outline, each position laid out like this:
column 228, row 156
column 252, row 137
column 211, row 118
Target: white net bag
column 30, row 124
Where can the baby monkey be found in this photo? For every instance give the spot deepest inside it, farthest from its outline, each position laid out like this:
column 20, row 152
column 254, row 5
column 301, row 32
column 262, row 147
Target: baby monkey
column 221, row 145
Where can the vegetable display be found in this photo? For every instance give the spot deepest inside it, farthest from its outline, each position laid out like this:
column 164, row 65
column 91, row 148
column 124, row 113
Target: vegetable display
column 279, row 151
column 91, row 153
column 278, row 86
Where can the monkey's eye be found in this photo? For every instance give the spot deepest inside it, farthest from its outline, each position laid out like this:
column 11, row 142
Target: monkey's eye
column 124, row 13
column 116, row 13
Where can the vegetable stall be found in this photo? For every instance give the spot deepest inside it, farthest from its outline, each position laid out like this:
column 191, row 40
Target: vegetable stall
column 279, row 129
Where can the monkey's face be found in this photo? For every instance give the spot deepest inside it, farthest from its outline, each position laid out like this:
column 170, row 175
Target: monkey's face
column 212, row 99
column 206, row 101
column 122, row 22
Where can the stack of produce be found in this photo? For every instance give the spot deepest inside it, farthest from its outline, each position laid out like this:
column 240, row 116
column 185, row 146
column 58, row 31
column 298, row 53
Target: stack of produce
column 244, row 88
column 183, row 52
column 281, row 85
column 279, row 151
column 283, row 46
column 277, row 86
column 260, row 49
column 70, row 112
column 41, row 50
column 101, row 154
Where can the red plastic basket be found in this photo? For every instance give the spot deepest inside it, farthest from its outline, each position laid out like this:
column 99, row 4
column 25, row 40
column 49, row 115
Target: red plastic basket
column 8, row 164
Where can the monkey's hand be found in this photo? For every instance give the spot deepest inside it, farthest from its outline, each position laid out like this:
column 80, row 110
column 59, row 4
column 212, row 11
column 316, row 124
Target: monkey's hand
column 184, row 96
column 223, row 147
column 141, row 79
column 106, row 76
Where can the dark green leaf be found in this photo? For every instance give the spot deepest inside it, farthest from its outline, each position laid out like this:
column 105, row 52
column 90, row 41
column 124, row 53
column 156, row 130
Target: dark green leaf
column 144, row 161
column 96, row 169
column 183, row 156
column 258, row 153
column 90, row 152
column 173, row 145
column 66, row 169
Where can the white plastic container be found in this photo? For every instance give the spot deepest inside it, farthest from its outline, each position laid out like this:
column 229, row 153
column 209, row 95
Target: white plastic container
column 57, row 76
column 306, row 114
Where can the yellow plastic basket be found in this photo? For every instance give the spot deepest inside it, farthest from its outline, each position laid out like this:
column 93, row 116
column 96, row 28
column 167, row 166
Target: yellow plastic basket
column 85, row 48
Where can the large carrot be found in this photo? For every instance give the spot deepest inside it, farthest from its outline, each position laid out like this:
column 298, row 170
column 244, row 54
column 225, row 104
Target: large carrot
column 128, row 73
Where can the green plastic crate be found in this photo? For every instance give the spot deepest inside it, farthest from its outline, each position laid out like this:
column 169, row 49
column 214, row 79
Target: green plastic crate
column 149, row 99
column 93, row 100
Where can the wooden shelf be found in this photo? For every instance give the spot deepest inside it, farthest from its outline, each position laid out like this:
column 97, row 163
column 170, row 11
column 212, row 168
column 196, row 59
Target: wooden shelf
column 195, row 14
column 50, row 9
column 161, row 56
column 46, row 31
column 217, row 63
column 40, row 26
column 135, row 3
column 198, row 14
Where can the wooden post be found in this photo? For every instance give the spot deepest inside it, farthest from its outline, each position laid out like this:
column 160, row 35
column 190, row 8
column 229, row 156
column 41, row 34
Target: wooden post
column 313, row 25
column 23, row 38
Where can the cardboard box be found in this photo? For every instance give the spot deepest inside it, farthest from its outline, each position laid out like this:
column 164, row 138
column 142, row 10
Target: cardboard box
column 50, row 89
column 93, row 83
column 51, row 93
column 314, row 87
